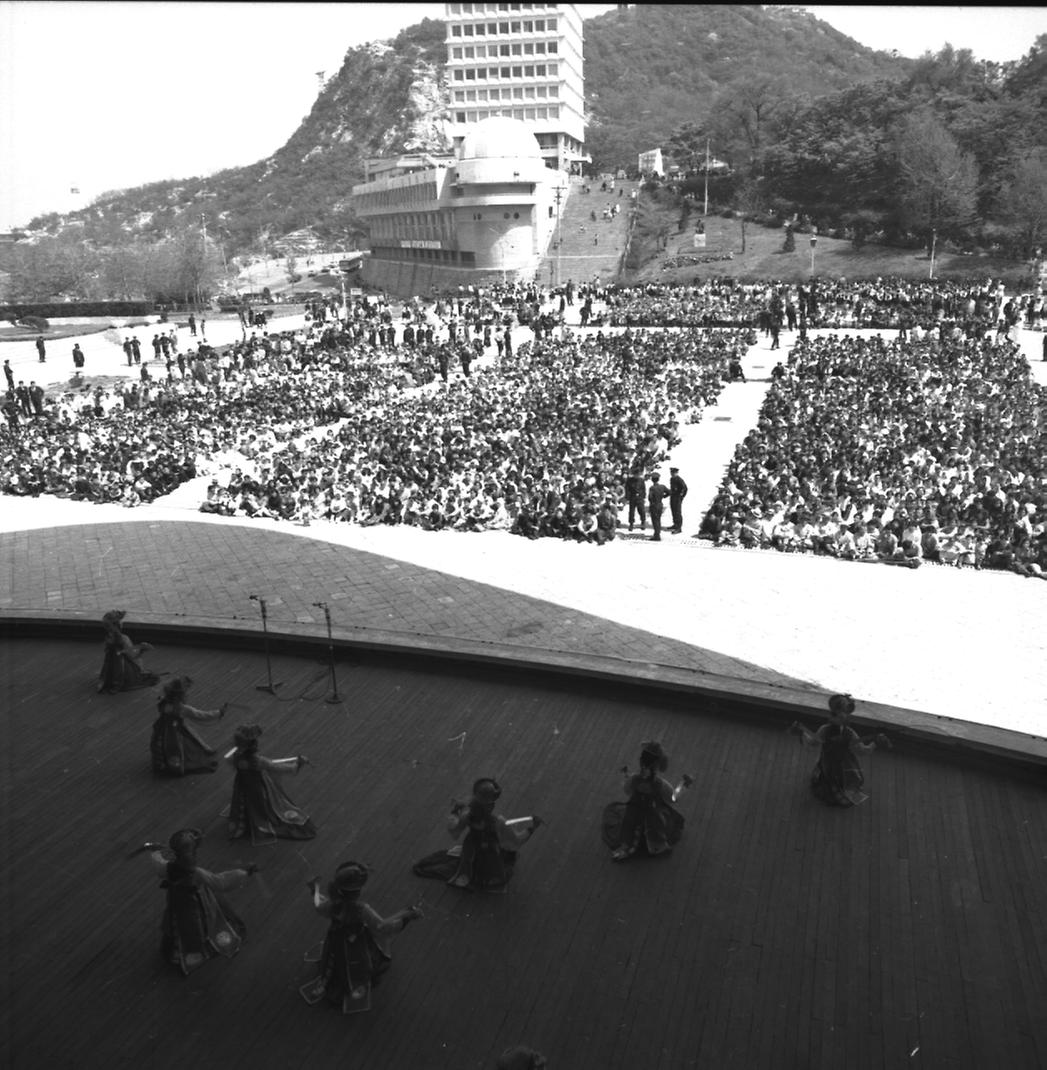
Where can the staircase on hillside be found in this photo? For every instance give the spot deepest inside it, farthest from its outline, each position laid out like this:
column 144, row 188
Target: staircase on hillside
column 582, row 249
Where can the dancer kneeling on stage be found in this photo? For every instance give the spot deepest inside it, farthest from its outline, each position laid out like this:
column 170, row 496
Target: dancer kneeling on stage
column 198, row 923
column 122, row 668
column 177, row 750
column 260, row 808
column 838, row 778
column 485, row 859
column 356, row 949
column 647, row 822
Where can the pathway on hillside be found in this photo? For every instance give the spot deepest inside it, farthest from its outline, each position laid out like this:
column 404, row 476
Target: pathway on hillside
column 588, row 249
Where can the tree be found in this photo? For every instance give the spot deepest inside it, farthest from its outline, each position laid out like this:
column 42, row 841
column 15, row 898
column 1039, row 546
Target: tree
column 750, row 200
column 1023, row 201
column 291, row 268
column 743, row 112
column 939, row 181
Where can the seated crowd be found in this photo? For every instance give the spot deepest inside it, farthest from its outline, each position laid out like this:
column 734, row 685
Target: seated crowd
column 929, row 446
column 539, row 445
column 138, row 442
column 884, row 303
column 899, row 452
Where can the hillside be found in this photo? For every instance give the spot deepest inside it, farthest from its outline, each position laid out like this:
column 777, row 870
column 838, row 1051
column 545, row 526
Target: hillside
column 648, row 70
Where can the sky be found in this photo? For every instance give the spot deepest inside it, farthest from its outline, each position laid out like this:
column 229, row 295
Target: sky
column 97, row 96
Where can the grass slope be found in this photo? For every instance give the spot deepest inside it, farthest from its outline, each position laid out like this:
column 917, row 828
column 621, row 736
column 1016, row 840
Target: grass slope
column 763, row 257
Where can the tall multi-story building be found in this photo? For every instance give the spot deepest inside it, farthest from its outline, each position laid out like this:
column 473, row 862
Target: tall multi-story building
column 514, row 77
column 519, row 61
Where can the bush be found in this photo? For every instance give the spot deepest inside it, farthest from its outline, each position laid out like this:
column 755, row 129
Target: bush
column 34, row 323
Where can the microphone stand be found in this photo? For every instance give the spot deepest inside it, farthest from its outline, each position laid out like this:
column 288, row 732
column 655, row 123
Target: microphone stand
column 334, row 697
column 270, row 686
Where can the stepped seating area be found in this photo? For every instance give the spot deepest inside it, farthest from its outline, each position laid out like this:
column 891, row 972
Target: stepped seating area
column 584, row 248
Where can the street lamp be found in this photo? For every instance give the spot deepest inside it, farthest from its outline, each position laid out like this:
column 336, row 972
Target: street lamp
column 934, row 242
column 814, row 245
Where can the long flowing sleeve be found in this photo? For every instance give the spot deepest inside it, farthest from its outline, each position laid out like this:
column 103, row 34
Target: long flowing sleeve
column 225, row 881
column 281, row 765
column 389, row 926
column 200, row 715
column 512, row 837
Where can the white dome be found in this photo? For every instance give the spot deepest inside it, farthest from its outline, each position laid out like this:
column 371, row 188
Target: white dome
column 499, row 137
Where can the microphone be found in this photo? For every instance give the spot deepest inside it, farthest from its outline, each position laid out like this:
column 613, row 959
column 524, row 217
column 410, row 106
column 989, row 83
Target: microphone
column 253, row 597
column 320, row 605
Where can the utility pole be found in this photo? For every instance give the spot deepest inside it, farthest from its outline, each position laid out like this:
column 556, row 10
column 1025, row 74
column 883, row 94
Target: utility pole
column 203, row 255
column 559, row 197
column 705, row 211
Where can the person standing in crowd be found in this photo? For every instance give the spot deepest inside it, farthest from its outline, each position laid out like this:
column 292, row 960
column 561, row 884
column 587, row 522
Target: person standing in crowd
column 176, row 749
column 41, row 349
column 260, row 808
column 656, row 500
column 636, row 497
column 128, row 352
column 36, row 398
column 78, row 357
column 647, row 822
column 486, row 859
column 356, row 952
column 677, row 493
column 198, row 922
column 122, row 668
column 192, row 324
column 838, row 779
column 136, row 349
column 9, row 375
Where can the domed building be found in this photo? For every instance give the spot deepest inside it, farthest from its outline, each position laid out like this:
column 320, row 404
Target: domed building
column 489, row 211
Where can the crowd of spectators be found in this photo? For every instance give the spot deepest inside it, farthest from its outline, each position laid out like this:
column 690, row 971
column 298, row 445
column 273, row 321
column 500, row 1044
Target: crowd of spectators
column 925, row 446
column 973, row 307
column 540, row 443
column 896, row 451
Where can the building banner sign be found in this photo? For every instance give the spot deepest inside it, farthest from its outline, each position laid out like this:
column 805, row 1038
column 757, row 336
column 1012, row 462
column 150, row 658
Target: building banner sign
column 419, row 243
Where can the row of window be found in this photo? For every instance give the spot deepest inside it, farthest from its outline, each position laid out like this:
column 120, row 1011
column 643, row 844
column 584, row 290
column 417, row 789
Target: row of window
column 443, row 256
column 508, row 113
column 492, row 9
column 524, row 48
column 495, row 29
column 417, row 226
column 483, row 74
column 386, row 198
column 519, row 92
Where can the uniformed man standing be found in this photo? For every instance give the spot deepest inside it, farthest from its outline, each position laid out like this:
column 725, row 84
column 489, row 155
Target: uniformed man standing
column 656, row 500
column 677, row 493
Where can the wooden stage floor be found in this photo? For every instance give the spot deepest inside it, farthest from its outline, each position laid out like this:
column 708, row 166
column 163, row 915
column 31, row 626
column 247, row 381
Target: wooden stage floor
column 911, row 931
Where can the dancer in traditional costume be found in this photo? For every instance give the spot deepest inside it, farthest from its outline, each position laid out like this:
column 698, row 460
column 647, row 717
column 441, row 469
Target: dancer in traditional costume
column 122, row 668
column 260, row 808
column 486, row 858
column 198, row 922
column 356, row 950
column 838, row 778
column 176, row 749
column 647, row 822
